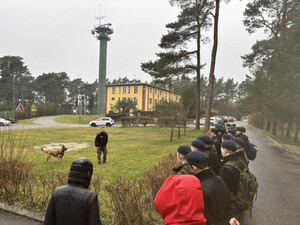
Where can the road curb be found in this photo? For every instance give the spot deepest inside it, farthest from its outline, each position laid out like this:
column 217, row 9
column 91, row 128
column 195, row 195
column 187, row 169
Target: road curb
column 23, row 212
column 276, row 143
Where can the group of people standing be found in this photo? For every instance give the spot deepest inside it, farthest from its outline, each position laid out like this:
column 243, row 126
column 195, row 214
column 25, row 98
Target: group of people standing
column 207, row 182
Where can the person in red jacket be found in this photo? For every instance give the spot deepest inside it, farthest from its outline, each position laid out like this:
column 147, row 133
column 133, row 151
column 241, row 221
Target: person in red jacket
column 180, row 201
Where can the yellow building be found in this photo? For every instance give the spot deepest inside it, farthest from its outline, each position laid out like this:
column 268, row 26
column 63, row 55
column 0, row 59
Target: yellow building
column 145, row 95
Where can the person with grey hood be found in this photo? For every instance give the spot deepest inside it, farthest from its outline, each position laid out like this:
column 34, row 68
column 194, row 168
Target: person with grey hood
column 74, row 203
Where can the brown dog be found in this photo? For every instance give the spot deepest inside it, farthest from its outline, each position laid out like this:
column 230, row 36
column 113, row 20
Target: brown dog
column 58, row 153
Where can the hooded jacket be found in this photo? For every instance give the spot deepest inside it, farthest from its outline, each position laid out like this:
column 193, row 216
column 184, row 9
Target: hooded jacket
column 74, row 204
column 180, row 201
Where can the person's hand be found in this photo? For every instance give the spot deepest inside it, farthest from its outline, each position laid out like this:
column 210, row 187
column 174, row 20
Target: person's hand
column 233, row 221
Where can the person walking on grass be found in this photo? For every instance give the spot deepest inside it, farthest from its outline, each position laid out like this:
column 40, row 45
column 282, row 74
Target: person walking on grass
column 100, row 143
column 74, row 203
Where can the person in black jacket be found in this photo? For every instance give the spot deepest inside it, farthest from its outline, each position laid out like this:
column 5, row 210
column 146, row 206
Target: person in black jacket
column 199, row 145
column 100, row 143
column 240, row 144
column 74, row 204
column 217, row 140
column 230, row 174
column 218, row 207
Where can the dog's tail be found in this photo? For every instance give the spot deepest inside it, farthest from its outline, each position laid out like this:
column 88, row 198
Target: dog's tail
column 43, row 150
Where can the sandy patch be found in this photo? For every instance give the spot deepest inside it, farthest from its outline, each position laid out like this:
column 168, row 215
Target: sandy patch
column 72, row 146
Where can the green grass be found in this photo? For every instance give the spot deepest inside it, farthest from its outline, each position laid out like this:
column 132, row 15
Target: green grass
column 76, row 119
column 287, row 142
column 27, row 121
column 131, row 151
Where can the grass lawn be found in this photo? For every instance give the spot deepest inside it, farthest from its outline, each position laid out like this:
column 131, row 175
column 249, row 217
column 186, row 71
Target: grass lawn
column 76, row 119
column 27, row 121
column 131, row 151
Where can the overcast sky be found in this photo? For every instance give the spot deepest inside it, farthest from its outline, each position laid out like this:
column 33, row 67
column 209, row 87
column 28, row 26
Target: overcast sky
column 55, row 36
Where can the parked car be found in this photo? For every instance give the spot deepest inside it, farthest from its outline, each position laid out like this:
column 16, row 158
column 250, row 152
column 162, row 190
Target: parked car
column 225, row 118
column 4, row 122
column 213, row 121
column 231, row 119
column 102, row 121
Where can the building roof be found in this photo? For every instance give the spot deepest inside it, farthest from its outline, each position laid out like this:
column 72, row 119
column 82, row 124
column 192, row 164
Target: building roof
column 133, row 84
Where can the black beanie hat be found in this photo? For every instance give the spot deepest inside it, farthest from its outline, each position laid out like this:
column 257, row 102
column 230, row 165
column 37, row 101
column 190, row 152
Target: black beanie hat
column 229, row 145
column 232, row 131
column 222, row 130
column 205, row 139
column 239, row 141
column 196, row 158
column 81, row 172
column 228, row 125
column 214, row 130
column 198, row 144
column 239, row 129
column 227, row 136
column 184, row 149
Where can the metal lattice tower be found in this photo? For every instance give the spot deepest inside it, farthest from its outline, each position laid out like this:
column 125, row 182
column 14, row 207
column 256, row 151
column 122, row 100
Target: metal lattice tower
column 102, row 33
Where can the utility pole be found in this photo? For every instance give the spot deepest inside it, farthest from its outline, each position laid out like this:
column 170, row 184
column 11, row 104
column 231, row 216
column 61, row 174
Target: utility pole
column 102, row 33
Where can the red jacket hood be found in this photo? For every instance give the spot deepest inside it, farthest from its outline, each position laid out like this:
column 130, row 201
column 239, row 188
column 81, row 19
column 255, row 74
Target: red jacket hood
column 180, row 201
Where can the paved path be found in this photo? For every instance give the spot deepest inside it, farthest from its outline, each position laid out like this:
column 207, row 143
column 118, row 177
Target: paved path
column 42, row 122
column 12, row 219
column 278, row 174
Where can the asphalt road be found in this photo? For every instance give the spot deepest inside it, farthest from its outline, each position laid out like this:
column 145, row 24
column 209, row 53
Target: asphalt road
column 12, row 219
column 278, row 175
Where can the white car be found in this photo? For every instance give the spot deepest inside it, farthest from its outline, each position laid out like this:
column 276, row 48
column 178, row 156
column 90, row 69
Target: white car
column 213, row 121
column 102, row 121
column 4, row 122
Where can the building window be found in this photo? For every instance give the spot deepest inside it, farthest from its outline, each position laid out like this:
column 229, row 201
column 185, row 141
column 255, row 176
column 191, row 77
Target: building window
column 119, row 99
column 155, row 101
column 135, row 89
column 135, row 99
column 119, row 90
column 150, row 100
column 128, row 89
column 128, row 98
column 151, row 90
column 160, row 92
column 112, row 99
column 113, row 90
column 156, row 91
column 124, row 98
column 124, row 90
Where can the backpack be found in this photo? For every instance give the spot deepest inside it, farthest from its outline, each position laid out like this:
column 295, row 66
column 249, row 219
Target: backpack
column 248, row 187
column 252, row 150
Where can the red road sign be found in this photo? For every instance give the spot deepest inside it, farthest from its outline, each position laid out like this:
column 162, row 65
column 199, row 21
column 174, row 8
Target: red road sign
column 20, row 108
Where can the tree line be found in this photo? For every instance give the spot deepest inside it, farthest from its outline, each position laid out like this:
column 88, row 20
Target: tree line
column 272, row 90
column 272, row 93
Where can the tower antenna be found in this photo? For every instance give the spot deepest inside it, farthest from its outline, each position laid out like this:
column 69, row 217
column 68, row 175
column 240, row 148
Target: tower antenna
column 102, row 32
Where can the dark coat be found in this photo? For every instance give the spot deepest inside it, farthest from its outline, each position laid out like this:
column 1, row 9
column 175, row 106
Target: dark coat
column 101, row 139
column 217, row 143
column 231, row 175
column 242, row 156
column 213, row 160
column 218, row 208
column 73, row 204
